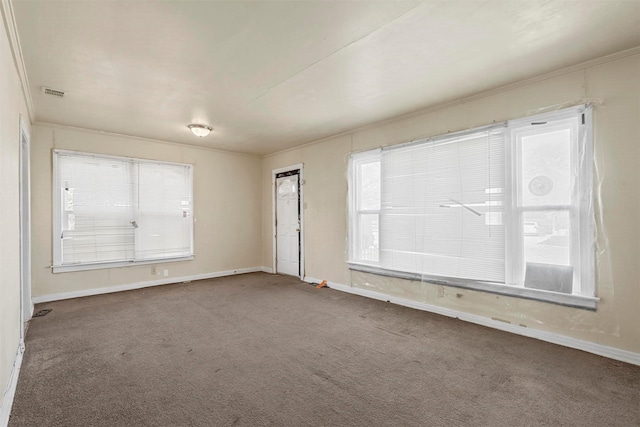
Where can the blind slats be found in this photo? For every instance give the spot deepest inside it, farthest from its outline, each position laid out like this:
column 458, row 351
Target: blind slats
column 122, row 209
column 438, row 207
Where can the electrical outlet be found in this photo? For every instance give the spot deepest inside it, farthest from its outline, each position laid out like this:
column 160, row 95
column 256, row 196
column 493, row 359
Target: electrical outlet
column 166, row 273
column 440, row 291
column 154, row 270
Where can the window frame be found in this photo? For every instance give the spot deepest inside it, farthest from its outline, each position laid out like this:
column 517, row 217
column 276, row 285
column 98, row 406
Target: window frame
column 580, row 209
column 355, row 212
column 58, row 266
column 582, row 248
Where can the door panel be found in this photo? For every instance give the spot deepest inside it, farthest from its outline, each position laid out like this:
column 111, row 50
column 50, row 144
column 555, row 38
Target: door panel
column 288, row 225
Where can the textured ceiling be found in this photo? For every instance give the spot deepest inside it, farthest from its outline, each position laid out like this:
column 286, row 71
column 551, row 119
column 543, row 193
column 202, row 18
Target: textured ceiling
column 271, row 75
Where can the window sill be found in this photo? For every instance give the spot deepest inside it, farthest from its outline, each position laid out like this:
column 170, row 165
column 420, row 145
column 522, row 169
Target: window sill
column 577, row 301
column 83, row 267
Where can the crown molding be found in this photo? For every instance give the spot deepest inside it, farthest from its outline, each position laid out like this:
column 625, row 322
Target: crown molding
column 16, row 50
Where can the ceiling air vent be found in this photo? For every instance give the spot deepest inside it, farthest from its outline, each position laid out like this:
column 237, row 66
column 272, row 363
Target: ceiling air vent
column 52, row 92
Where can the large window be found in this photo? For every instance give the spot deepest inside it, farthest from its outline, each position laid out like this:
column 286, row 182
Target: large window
column 111, row 211
column 504, row 208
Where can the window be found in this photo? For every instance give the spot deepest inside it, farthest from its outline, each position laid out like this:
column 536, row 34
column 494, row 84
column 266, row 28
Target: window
column 367, row 206
column 504, row 208
column 113, row 211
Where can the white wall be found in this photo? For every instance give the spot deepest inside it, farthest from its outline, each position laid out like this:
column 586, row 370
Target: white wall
column 12, row 105
column 226, row 209
column 617, row 144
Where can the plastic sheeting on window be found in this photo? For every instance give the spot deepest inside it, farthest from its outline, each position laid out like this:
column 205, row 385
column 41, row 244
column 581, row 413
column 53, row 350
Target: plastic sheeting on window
column 548, row 213
column 110, row 209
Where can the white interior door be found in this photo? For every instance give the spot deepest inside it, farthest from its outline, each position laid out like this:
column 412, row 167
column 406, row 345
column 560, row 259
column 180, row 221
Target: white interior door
column 288, row 224
column 25, row 230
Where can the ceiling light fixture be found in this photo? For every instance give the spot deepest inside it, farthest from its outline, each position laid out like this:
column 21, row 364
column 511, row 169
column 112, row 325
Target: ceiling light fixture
column 200, row 130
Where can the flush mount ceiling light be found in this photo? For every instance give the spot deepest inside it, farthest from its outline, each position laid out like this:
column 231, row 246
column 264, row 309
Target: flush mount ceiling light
column 200, row 130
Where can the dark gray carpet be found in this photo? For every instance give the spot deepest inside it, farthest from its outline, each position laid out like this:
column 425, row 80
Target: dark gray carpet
column 258, row 349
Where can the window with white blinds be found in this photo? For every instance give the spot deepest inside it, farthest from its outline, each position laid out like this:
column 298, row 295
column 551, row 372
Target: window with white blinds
column 118, row 211
column 504, row 208
column 441, row 206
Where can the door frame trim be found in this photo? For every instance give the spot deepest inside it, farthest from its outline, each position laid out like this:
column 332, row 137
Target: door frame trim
column 274, row 234
column 26, row 303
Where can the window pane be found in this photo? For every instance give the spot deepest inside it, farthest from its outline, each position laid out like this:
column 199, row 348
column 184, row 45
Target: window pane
column 369, row 186
column 164, row 211
column 545, row 177
column 547, row 237
column 97, row 210
column 547, row 251
column 288, row 186
column 368, row 244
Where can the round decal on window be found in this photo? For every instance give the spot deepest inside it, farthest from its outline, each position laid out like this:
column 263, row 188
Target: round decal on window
column 540, row 185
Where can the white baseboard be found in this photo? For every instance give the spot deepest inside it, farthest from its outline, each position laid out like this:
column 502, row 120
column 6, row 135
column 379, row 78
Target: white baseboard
column 140, row 285
column 601, row 350
column 10, row 393
column 267, row 270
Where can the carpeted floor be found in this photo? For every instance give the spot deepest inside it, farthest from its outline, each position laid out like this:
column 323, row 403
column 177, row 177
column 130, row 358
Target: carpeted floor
column 258, row 349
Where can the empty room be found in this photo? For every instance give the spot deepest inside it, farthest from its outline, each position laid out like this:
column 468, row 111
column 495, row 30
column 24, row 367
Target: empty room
column 320, row 213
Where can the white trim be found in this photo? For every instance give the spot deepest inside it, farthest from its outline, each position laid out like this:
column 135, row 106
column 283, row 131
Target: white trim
column 287, row 168
column 274, row 233
column 266, row 269
column 16, row 50
column 590, row 347
column 10, row 392
column 140, row 285
column 24, row 128
column 274, row 253
column 301, row 183
column 26, row 305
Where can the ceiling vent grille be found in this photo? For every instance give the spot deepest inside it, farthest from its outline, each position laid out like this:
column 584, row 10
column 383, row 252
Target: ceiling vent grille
column 53, row 92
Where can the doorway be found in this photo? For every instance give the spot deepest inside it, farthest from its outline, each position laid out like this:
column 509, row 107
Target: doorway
column 26, row 308
column 288, row 221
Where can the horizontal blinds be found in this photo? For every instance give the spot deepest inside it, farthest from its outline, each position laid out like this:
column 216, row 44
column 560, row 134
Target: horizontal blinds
column 116, row 209
column 97, row 209
column 164, row 211
column 441, row 207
